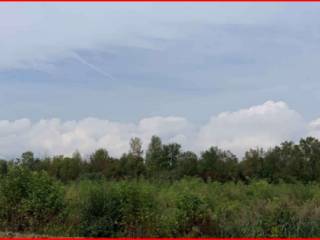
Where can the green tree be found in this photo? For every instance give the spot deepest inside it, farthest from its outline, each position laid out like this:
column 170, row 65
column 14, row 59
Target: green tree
column 131, row 166
column 187, row 164
column 136, row 147
column 218, row 165
column 155, row 160
column 99, row 160
column 171, row 152
column 3, row 168
column 70, row 169
column 102, row 163
column 28, row 161
column 310, row 148
column 252, row 165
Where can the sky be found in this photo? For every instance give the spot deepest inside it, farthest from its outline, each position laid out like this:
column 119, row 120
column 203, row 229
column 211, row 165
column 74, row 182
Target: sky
column 79, row 76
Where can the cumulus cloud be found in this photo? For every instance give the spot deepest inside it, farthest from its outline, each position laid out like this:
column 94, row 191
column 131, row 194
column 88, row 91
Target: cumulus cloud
column 53, row 136
column 259, row 126
column 314, row 128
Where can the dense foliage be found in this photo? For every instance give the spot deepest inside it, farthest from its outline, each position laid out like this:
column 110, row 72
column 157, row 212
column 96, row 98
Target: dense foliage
column 165, row 193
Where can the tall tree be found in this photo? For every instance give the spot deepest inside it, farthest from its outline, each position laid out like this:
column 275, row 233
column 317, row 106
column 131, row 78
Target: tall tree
column 155, row 161
column 28, row 160
column 310, row 148
column 171, row 152
column 136, row 147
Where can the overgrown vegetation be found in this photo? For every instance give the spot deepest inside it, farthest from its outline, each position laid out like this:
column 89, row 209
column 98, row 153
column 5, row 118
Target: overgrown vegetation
column 167, row 193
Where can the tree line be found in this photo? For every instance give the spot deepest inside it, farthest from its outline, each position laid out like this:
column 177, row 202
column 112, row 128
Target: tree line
column 166, row 192
column 289, row 162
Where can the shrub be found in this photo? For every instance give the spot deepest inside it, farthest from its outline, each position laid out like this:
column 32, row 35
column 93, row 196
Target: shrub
column 193, row 216
column 30, row 201
column 99, row 210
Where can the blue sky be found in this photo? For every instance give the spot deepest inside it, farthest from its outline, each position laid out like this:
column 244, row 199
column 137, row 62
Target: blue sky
column 125, row 62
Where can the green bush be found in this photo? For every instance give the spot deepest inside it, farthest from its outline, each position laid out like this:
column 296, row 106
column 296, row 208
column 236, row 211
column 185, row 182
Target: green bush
column 118, row 209
column 193, row 216
column 30, row 201
column 33, row 202
column 99, row 210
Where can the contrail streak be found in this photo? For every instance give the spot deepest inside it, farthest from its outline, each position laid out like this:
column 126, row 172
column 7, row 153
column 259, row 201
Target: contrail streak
column 93, row 67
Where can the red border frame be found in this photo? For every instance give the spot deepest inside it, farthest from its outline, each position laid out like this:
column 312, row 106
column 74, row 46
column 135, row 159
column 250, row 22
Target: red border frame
column 82, row 238
column 76, row 238
column 160, row 1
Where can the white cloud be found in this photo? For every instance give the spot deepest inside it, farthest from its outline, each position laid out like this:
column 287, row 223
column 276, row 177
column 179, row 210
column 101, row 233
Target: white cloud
column 314, row 128
column 52, row 136
column 264, row 125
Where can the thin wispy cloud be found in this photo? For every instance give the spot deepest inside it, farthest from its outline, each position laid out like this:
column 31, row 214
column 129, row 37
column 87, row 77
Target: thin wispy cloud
column 94, row 67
